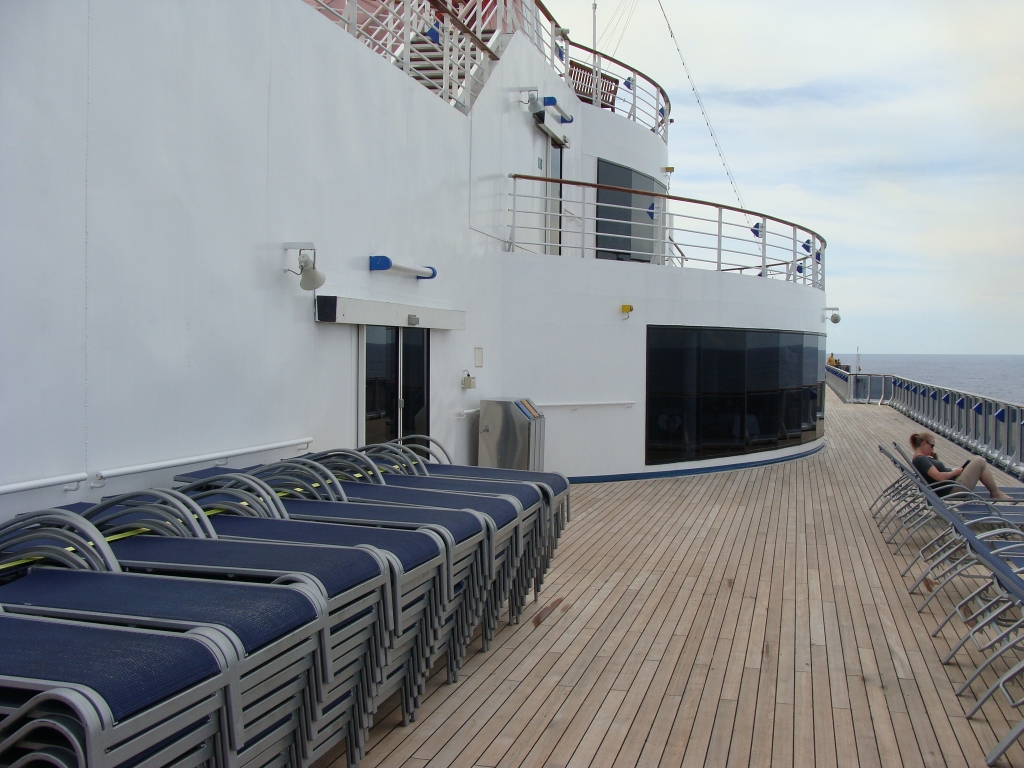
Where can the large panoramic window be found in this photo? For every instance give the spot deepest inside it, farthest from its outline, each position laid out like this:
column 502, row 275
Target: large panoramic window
column 627, row 222
column 725, row 391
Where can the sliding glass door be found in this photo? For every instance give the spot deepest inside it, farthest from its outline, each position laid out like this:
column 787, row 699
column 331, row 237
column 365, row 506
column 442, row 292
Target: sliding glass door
column 397, row 382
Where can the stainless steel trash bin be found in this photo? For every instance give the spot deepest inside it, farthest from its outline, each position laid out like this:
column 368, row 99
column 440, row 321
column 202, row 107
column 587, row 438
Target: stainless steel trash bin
column 511, row 434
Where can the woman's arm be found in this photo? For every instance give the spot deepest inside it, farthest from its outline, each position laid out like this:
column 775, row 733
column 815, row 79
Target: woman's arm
column 935, row 474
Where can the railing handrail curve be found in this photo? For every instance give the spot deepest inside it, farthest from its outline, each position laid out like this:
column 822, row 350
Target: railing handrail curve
column 666, row 196
column 624, row 65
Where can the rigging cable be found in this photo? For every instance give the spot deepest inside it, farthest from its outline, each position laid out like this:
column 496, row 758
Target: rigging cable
column 625, row 27
column 700, row 104
column 611, row 25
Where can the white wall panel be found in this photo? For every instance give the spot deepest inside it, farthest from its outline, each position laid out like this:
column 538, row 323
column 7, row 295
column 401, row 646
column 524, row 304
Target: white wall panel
column 43, row 138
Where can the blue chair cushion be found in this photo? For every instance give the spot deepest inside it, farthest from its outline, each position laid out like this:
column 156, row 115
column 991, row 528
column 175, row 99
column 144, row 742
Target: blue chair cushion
column 411, row 548
column 461, row 525
column 528, row 495
column 337, row 569
column 257, row 614
column 502, row 511
column 131, row 670
column 557, row 483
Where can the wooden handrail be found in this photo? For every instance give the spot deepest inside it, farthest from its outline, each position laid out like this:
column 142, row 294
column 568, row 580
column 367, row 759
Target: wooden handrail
column 547, row 14
column 666, row 196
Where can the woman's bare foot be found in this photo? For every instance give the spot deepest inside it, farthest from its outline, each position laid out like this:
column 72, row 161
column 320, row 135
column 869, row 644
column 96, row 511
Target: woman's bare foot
column 1000, row 496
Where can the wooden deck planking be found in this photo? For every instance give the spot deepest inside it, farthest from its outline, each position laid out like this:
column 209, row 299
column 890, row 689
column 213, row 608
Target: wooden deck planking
column 751, row 617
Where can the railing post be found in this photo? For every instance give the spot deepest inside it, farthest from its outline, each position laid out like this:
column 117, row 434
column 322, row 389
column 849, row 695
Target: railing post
column 446, row 92
column 793, row 266
column 764, row 247
column 597, row 81
column 554, row 45
column 512, row 235
column 719, row 268
column 662, row 211
column 347, row 16
column 814, row 262
column 406, row 36
column 632, row 109
column 583, row 223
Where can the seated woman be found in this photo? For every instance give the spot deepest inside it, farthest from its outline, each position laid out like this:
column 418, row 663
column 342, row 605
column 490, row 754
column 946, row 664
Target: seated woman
column 928, row 464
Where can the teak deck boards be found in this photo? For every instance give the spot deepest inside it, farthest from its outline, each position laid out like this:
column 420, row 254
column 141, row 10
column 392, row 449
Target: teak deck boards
column 751, row 617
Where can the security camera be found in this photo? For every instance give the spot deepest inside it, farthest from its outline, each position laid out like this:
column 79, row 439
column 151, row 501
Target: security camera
column 835, row 317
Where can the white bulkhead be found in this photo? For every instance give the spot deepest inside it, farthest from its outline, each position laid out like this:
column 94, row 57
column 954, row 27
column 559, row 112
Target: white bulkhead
column 154, row 158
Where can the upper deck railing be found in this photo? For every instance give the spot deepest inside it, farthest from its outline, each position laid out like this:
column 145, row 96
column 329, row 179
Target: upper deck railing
column 449, row 47
column 589, row 220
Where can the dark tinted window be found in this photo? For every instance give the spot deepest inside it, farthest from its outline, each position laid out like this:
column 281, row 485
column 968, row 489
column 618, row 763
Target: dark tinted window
column 791, row 360
column 671, row 428
column 810, row 362
column 627, row 222
column 672, row 363
column 762, row 360
column 721, row 391
column 722, row 361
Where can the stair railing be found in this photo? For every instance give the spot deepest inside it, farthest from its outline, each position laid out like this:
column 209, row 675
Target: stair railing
column 449, row 47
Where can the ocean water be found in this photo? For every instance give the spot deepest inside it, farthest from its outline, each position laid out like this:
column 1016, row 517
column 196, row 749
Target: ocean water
column 1000, row 377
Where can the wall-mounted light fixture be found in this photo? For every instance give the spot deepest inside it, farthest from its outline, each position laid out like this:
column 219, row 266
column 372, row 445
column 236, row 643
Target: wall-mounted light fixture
column 384, row 263
column 538, row 106
column 310, row 278
column 626, row 310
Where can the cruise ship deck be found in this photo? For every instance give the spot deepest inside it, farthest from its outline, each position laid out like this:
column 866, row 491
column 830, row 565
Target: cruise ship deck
column 751, row 617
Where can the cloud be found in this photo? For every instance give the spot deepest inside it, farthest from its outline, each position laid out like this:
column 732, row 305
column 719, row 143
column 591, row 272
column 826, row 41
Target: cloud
column 821, row 93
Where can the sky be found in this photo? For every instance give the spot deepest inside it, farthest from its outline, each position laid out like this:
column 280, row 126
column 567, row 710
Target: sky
column 896, row 130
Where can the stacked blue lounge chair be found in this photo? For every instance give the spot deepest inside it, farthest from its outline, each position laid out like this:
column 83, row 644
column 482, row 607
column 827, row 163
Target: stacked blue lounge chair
column 307, row 479
column 543, row 512
column 258, row 618
column 416, row 455
column 353, row 585
column 290, row 724
column 463, row 533
column 419, row 567
column 76, row 693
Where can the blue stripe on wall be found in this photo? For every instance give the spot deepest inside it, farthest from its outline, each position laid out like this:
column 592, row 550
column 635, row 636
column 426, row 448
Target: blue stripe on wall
column 694, row 471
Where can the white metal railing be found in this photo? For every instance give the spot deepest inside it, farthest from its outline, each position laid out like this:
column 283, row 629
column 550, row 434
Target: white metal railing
column 989, row 427
column 71, row 483
column 423, row 39
column 449, row 47
column 577, row 406
column 860, row 387
column 603, row 81
column 558, row 216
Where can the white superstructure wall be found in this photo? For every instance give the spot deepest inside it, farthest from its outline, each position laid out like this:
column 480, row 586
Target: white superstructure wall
column 155, row 157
